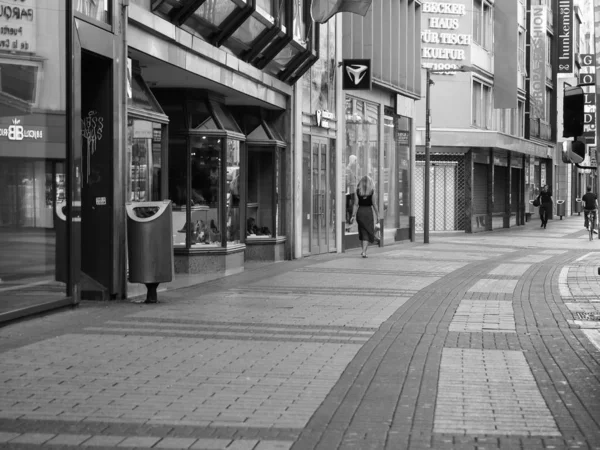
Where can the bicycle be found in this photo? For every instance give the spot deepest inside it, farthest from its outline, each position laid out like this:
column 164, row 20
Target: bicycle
column 591, row 216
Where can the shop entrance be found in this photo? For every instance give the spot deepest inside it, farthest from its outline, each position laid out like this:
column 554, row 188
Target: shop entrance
column 318, row 202
column 96, row 178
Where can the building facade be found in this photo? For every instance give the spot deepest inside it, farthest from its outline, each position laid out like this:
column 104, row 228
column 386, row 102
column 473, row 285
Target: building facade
column 573, row 180
column 379, row 126
column 487, row 164
column 231, row 111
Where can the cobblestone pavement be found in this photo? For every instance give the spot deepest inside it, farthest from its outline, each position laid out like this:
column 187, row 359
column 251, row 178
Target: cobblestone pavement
column 481, row 341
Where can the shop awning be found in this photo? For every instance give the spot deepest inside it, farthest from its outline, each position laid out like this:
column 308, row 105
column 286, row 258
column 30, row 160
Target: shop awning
column 278, row 39
column 265, row 134
column 194, row 112
column 141, row 103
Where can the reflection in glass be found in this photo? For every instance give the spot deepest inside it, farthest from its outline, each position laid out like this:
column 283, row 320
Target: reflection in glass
column 249, row 31
column 299, row 25
column 33, row 154
column 143, row 156
column 233, row 191
column 96, row 9
column 362, row 150
column 390, row 181
column 213, row 11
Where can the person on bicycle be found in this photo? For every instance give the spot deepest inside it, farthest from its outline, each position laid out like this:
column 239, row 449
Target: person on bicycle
column 590, row 203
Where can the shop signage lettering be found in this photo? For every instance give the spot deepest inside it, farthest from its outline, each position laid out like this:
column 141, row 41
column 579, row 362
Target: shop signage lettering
column 17, row 132
column 589, row 118
column 17, row 25
column 587, row 78
column 587, row 60
column 441, row 34
column 403, row 137
column 590, row 98
column 565, row 36
column 538, row 60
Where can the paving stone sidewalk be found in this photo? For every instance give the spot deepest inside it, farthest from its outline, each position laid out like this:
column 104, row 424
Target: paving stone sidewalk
column 484, row 341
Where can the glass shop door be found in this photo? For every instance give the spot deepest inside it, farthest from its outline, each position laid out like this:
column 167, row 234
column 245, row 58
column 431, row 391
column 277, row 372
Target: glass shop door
column 319, row 223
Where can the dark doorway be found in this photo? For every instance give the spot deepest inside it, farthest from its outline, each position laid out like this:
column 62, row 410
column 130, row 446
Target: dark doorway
column 97, row 175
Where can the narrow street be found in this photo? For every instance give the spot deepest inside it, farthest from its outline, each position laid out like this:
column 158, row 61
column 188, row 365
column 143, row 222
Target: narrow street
column 474, row 341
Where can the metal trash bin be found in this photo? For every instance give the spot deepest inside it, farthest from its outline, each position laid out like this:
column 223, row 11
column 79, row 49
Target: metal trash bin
column 61, row 248
column 149, row 246
column 560, row 208
column 578, row 206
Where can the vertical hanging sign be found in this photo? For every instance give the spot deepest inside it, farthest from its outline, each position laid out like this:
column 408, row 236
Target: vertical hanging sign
column 589, row 106
column 565, row 36
column 537, row 82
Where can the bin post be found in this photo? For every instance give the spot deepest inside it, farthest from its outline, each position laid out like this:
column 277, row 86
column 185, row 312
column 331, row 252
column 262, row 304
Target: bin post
column 149, row 245
column 578, row 206
column 560, row 208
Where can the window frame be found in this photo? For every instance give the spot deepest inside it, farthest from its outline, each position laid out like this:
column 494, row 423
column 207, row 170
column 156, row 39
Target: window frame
column 483, row 24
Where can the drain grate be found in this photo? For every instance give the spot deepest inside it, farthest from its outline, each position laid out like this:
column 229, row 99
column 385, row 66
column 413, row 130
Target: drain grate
column 587, row 316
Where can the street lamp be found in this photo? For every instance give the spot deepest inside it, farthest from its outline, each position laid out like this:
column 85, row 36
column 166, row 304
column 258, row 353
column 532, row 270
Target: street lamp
column 428, row 83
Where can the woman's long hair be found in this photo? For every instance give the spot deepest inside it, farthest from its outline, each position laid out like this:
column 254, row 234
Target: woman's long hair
column 365, row 186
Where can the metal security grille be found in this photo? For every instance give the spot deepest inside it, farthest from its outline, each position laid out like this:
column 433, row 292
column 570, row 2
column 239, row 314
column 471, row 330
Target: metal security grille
column 446, row 192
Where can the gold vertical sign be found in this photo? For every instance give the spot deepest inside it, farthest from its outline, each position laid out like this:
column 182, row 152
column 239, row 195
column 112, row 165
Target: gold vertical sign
column 537, row 80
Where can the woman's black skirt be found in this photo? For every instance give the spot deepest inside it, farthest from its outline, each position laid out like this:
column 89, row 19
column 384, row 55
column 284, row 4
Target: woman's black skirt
column 366, row 224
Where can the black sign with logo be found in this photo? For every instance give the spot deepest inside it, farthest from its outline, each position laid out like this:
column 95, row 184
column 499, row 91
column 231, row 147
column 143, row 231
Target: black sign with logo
column 565, row 36
column 356, row 74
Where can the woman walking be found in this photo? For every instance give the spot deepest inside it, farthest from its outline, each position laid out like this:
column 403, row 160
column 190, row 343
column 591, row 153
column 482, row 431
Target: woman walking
column 366, row 212
column 545, row 205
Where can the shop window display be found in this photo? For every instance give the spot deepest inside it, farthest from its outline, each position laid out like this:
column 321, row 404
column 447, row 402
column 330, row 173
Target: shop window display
column 205, row 146
column 361, row 156
column 260, row 212
column 264, row 207
column 205, row 227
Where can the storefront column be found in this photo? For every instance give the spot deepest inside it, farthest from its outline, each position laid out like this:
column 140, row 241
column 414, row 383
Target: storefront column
column 295, row 171
column 469, row 179
column 490, row 192
column 508, row 191
column 523, row 201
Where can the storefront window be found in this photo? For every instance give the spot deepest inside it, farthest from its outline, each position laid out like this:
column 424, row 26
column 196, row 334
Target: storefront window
column 233, row 192
column 396, row 170
column 33, row 155
column 261, row 198
column 361, row 156
column 144, row 158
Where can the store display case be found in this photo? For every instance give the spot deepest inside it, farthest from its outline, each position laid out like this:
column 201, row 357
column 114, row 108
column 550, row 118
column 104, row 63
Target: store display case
column 206, row 148
column 264, row 209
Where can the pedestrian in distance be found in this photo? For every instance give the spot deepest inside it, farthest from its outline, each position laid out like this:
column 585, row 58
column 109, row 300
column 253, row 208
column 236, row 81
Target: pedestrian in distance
column 590, row 204
column 545, row 199
column 365, row 212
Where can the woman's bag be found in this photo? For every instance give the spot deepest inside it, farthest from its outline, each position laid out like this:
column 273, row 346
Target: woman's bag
column 536, row 202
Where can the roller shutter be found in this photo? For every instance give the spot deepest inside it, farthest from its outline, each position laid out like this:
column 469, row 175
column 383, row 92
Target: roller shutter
column 480, row 189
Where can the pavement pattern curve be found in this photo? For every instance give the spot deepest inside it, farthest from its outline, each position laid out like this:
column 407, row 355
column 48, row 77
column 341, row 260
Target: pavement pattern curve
column 477, row 341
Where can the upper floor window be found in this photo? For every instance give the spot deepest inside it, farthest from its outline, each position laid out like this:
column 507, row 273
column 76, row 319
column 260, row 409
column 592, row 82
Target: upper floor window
column 520, row 119
column 482, row 105
column 99, row 10
column 483, row 24
column 521, row 49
